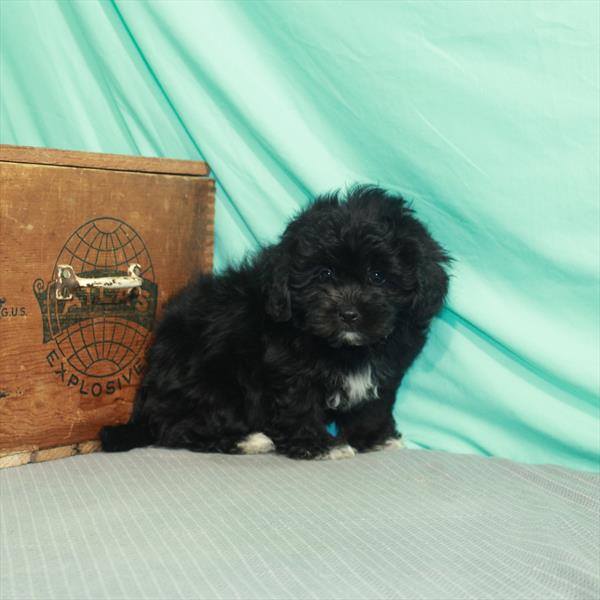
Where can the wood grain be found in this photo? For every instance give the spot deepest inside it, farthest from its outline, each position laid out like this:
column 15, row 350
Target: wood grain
column 95, row 160
column 34, row 455
column 55, row 385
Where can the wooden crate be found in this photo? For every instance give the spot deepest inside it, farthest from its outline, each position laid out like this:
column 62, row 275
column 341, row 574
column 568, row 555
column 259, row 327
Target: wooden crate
column 68, row 367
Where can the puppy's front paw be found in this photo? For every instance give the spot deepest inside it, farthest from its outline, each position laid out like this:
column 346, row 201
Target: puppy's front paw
column 390, row 444
column 393, row 443
column 256, row 443
column 369, row 445
column 305, row 450
column 338, row 452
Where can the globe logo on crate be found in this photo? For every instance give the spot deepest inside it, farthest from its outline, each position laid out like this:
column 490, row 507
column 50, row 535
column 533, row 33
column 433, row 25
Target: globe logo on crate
column 99, row 333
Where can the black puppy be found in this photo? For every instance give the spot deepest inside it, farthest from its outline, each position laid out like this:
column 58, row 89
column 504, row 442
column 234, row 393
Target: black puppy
column 320, row 327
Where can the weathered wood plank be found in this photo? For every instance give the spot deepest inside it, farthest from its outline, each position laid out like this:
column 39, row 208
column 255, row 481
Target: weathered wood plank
column 96, row 160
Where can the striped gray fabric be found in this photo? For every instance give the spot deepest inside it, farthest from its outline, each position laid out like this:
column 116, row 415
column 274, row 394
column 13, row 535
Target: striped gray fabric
column 404, row 524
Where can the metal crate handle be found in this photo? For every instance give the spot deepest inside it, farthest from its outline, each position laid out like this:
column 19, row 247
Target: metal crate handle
column 67, row 281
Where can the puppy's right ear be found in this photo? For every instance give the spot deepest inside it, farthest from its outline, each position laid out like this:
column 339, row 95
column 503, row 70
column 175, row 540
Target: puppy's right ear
column 278, row 302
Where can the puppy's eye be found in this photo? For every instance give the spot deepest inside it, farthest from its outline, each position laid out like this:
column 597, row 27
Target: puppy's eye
column 377, row 277
column 326, row 274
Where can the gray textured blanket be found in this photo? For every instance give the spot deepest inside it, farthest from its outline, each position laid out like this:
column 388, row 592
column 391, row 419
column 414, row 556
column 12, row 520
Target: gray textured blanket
column 396, row 524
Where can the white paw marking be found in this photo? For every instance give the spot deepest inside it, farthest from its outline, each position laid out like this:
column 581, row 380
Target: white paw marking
column 256, row 443
column 391, row 444
column 338, row 453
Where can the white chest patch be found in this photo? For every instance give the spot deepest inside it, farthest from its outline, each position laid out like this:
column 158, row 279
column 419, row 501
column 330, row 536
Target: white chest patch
column 355, row 388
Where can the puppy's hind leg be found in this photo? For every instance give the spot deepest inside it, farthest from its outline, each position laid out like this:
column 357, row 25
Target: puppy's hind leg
column 197, row 437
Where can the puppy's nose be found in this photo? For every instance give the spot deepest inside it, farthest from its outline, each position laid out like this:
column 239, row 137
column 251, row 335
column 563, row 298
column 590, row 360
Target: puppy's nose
column 348, row 314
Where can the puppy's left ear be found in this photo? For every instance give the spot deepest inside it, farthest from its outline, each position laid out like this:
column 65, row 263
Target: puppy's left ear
column 278, row 301
column 432, row 282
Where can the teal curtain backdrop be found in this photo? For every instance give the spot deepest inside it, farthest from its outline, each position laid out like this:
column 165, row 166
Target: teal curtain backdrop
column 485, row 115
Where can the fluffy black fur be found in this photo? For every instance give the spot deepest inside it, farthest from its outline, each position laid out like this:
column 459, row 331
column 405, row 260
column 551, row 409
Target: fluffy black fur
column 270, row 346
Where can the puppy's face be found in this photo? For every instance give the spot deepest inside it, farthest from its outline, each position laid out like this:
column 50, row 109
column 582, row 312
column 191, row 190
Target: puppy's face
column 346, row 287
column 353, row 270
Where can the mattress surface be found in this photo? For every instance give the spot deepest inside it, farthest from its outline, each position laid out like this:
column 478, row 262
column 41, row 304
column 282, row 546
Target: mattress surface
column 407, row 524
